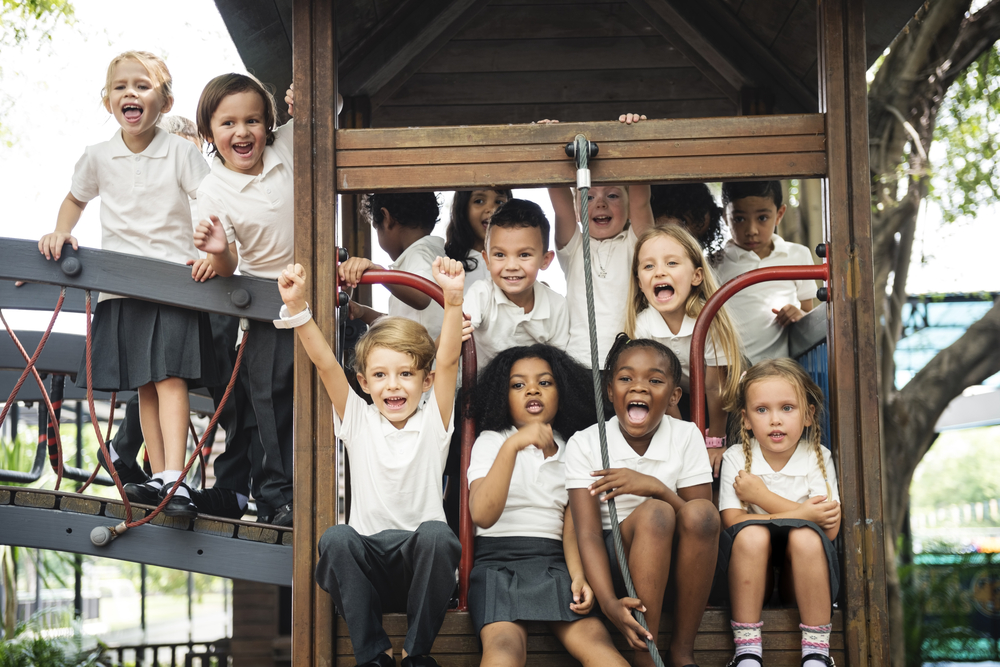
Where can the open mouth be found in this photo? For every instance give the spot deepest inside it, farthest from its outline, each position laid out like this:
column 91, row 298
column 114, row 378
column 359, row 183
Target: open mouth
column 244, row 149
column 776, row 436
column 637, row 412
column 663, row 291
column 512, row 280
column 395, row 403
column 534, row 407
column 601, row 219
column 132, row 112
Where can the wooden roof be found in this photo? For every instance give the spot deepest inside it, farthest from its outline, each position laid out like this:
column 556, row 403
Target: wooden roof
column 473, row 62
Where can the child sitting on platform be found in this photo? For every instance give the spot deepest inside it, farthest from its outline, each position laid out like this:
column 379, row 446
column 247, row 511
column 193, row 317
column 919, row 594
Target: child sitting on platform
column 466, row 234
column 754, row 210
column 782, row 473
column 397, row 553
column 512, row 307
column 528, row 568
column 661, row 480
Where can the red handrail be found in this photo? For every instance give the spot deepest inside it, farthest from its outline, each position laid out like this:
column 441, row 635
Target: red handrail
column 466, row 531
column 712, row 306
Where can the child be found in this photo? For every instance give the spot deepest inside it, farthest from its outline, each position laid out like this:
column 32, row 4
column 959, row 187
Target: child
column 246, row 210
column 618, row 216
column 144, row 177
column 466, row 233
column 527, row 562
column 754, row 210
column 661, row 479
column 784, row 473
column 397, row 551
column 513, row 307
column 669, row 287
column 692, row 206
column 403, row 224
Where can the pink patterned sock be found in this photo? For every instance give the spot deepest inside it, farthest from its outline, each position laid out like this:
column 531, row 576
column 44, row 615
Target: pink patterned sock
column 747, row 637
column 815, row 639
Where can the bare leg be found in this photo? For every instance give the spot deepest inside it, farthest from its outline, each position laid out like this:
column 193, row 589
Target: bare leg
column 749, row 563
column 505, row 644
column 174, row 413
column 697, row 550
column 588, row 641
column 149, row 419
column 809, row 575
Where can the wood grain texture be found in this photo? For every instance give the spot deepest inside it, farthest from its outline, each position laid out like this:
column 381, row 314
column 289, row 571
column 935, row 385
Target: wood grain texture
column 552, row 21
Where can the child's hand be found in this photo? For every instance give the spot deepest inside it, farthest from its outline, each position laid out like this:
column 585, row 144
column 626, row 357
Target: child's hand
column 201, row 269
column 787, row 314
column 630, row 118
column 626, row 623
column 822, row 512
column 450, row 275
column 583, row 597
column 748, row 486
column 290, row 99
column 619, row 481
column 535, row 433
column 292, row 287
column 467, row 327
column 832, row 520
column 351, row 270
column 545, row 121
column 210, row 237
column 355, row 310
column 51, row 245
column 715, row 458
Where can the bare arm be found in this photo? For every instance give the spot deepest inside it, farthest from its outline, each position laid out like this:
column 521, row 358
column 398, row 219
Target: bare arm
column 639, row 210
column 616, row 482
column 824, row 513
column 715, row 376
column 350, row 276
column 450, row 275
column 565, row 213
column 70, row 211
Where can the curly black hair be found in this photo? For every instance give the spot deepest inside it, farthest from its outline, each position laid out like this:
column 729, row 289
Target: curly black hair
column 738, row 190
column 418, row 210
column 459, row 237
column 491, row 404
column 692, row 203
column 623, row 342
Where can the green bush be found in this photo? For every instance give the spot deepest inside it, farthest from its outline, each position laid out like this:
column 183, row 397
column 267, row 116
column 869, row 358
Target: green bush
column 25, row 648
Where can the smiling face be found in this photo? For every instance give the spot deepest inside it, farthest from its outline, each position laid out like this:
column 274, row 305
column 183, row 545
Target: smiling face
column 514, row 256
column 482, row 203
column 641, row 389
column 532, row 393
column 777, row 414
column 752, row 221
column 394, row 383
column 607, row 208
column 239, row 132
column 666, row 275
column 136, row 103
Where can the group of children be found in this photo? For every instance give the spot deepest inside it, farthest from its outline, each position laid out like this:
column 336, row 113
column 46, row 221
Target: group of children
column 538, row 449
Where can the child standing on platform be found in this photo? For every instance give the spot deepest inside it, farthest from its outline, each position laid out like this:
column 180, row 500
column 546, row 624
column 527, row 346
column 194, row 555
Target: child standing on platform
column 397, row 553
column 465, row 237
column 144, row 177
column 785, row 477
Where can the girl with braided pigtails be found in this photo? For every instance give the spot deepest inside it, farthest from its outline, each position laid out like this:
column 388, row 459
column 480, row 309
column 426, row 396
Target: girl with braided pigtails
column 780, row 509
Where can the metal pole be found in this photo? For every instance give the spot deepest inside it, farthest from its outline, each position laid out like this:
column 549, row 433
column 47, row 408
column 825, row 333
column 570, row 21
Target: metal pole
column 190, row 606
column 142, row 597
column 78, row 559
column 15, row 414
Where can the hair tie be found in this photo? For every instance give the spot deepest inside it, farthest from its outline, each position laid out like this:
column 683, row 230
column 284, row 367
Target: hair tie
column 742, row 375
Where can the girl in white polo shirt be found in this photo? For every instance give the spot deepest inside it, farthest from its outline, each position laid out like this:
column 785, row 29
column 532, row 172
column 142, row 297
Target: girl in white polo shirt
column 527, row 562
column 661, row 481
column 781, row 509
column 669, row 286
column 466, row 234
column 144, row 177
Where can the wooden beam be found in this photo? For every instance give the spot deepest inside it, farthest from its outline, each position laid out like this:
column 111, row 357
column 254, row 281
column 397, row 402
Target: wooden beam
column 534, row 156
column 407, row 46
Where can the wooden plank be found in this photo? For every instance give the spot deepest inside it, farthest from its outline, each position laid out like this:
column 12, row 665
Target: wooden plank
column 213, row 527
column 35, row 499
column 551, row 21
column 765, row 18
column 796, row 43
column 4, row 496
column 253, row 533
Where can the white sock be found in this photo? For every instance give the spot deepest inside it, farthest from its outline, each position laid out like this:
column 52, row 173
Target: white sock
column 242, row 500
column 112, row 453
column 155, row 482
column 747, row 637
column 815, row 639
column 171, row 476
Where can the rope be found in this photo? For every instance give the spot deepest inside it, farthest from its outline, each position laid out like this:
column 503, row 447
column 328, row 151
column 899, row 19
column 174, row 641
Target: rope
column 583, row 185
column 107, row 438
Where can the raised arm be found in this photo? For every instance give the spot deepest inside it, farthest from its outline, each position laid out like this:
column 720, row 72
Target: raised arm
column 450, row 275
column 564, row 207
column 210, row 238
column 70, row 211
column 640, row 213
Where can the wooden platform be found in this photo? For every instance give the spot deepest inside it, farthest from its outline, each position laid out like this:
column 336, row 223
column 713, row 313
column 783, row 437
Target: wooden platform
column 458, row 646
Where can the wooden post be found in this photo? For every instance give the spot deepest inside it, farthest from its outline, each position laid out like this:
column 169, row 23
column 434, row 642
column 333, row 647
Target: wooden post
column 315, row 76
column 854, row 400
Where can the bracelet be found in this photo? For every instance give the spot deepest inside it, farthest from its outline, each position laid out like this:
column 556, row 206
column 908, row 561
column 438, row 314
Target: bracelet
column 287, row 321
column 715, row 443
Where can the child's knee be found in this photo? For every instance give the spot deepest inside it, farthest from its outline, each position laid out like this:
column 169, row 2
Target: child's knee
column 509, row 645
column 439, row 537
column 699, row 519
column 658, row 518
column 337, row 540
column 805, row 542
column 752, row 540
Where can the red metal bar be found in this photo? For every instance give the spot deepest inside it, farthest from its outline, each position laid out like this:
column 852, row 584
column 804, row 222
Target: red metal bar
column 712, row 306
column 466, row 531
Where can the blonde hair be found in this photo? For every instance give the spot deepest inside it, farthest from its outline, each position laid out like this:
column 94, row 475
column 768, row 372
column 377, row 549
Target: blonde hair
column 722, row 329
column 155, row 67
column 808, row 391
column 400, row 335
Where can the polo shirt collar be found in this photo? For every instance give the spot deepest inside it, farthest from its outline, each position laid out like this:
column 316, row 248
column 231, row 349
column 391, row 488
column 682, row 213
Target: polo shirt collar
column 734, row 252
column 658, row 326
column 659, row 446
column 240, row 181
column 797, row 466
column 538, row 311
column 412, row 424
column 157, row 147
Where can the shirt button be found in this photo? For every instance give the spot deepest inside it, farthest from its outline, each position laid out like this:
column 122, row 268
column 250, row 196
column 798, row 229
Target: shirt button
column 138, row 171
column 136, row 158
column 267, row 190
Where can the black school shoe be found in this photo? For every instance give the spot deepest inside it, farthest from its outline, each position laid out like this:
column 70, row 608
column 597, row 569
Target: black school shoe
column 419, row 661
column 283, row 516
column 218, row 502
column 745, row 657
column 381, row 660
column 178, row 506
column 819, row 656
column 126, row 473
column 144, row 494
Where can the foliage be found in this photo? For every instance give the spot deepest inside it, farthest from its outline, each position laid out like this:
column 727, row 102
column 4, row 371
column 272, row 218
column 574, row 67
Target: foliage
column 25, row 648
column 960, row 468
column 21, row 18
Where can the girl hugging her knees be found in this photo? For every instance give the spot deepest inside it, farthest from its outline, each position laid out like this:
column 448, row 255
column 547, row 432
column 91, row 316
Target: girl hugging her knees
column 781, row 509
column 527, row 562
column 661, row 480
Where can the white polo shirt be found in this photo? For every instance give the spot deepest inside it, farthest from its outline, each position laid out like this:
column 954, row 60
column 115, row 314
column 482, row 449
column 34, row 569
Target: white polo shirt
column 650, row 324
column 145, row 197
column 800, row 479
column 257, row 212
column 418, row 259
column 537, row 497
column 501, row 324
column 481, row 272
column 751, row 308
column 396, row 474
column 676, row 456
column 614, row 257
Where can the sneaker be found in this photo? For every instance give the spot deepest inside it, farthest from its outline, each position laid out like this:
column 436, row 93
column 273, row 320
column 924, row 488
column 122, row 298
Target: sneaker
column 126, row 473
column 144, row 494
column 179, row 506
column 283, row 516
column 218, row 502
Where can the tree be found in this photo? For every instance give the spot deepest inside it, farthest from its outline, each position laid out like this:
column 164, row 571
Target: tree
column 937, row 82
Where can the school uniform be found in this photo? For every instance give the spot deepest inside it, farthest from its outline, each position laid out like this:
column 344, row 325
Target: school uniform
column 611, row 270
column 481, row 272
column 501, row 324
column 751, row 308
column 257, row 214
column 799, row 480
column 145, row 211
column 396, row 553
column 418, row 259
column 520, row 572
column 650, row 324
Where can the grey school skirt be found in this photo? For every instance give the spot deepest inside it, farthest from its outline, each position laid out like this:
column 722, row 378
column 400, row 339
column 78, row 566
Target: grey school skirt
column 520, row 579
column 136, row 342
